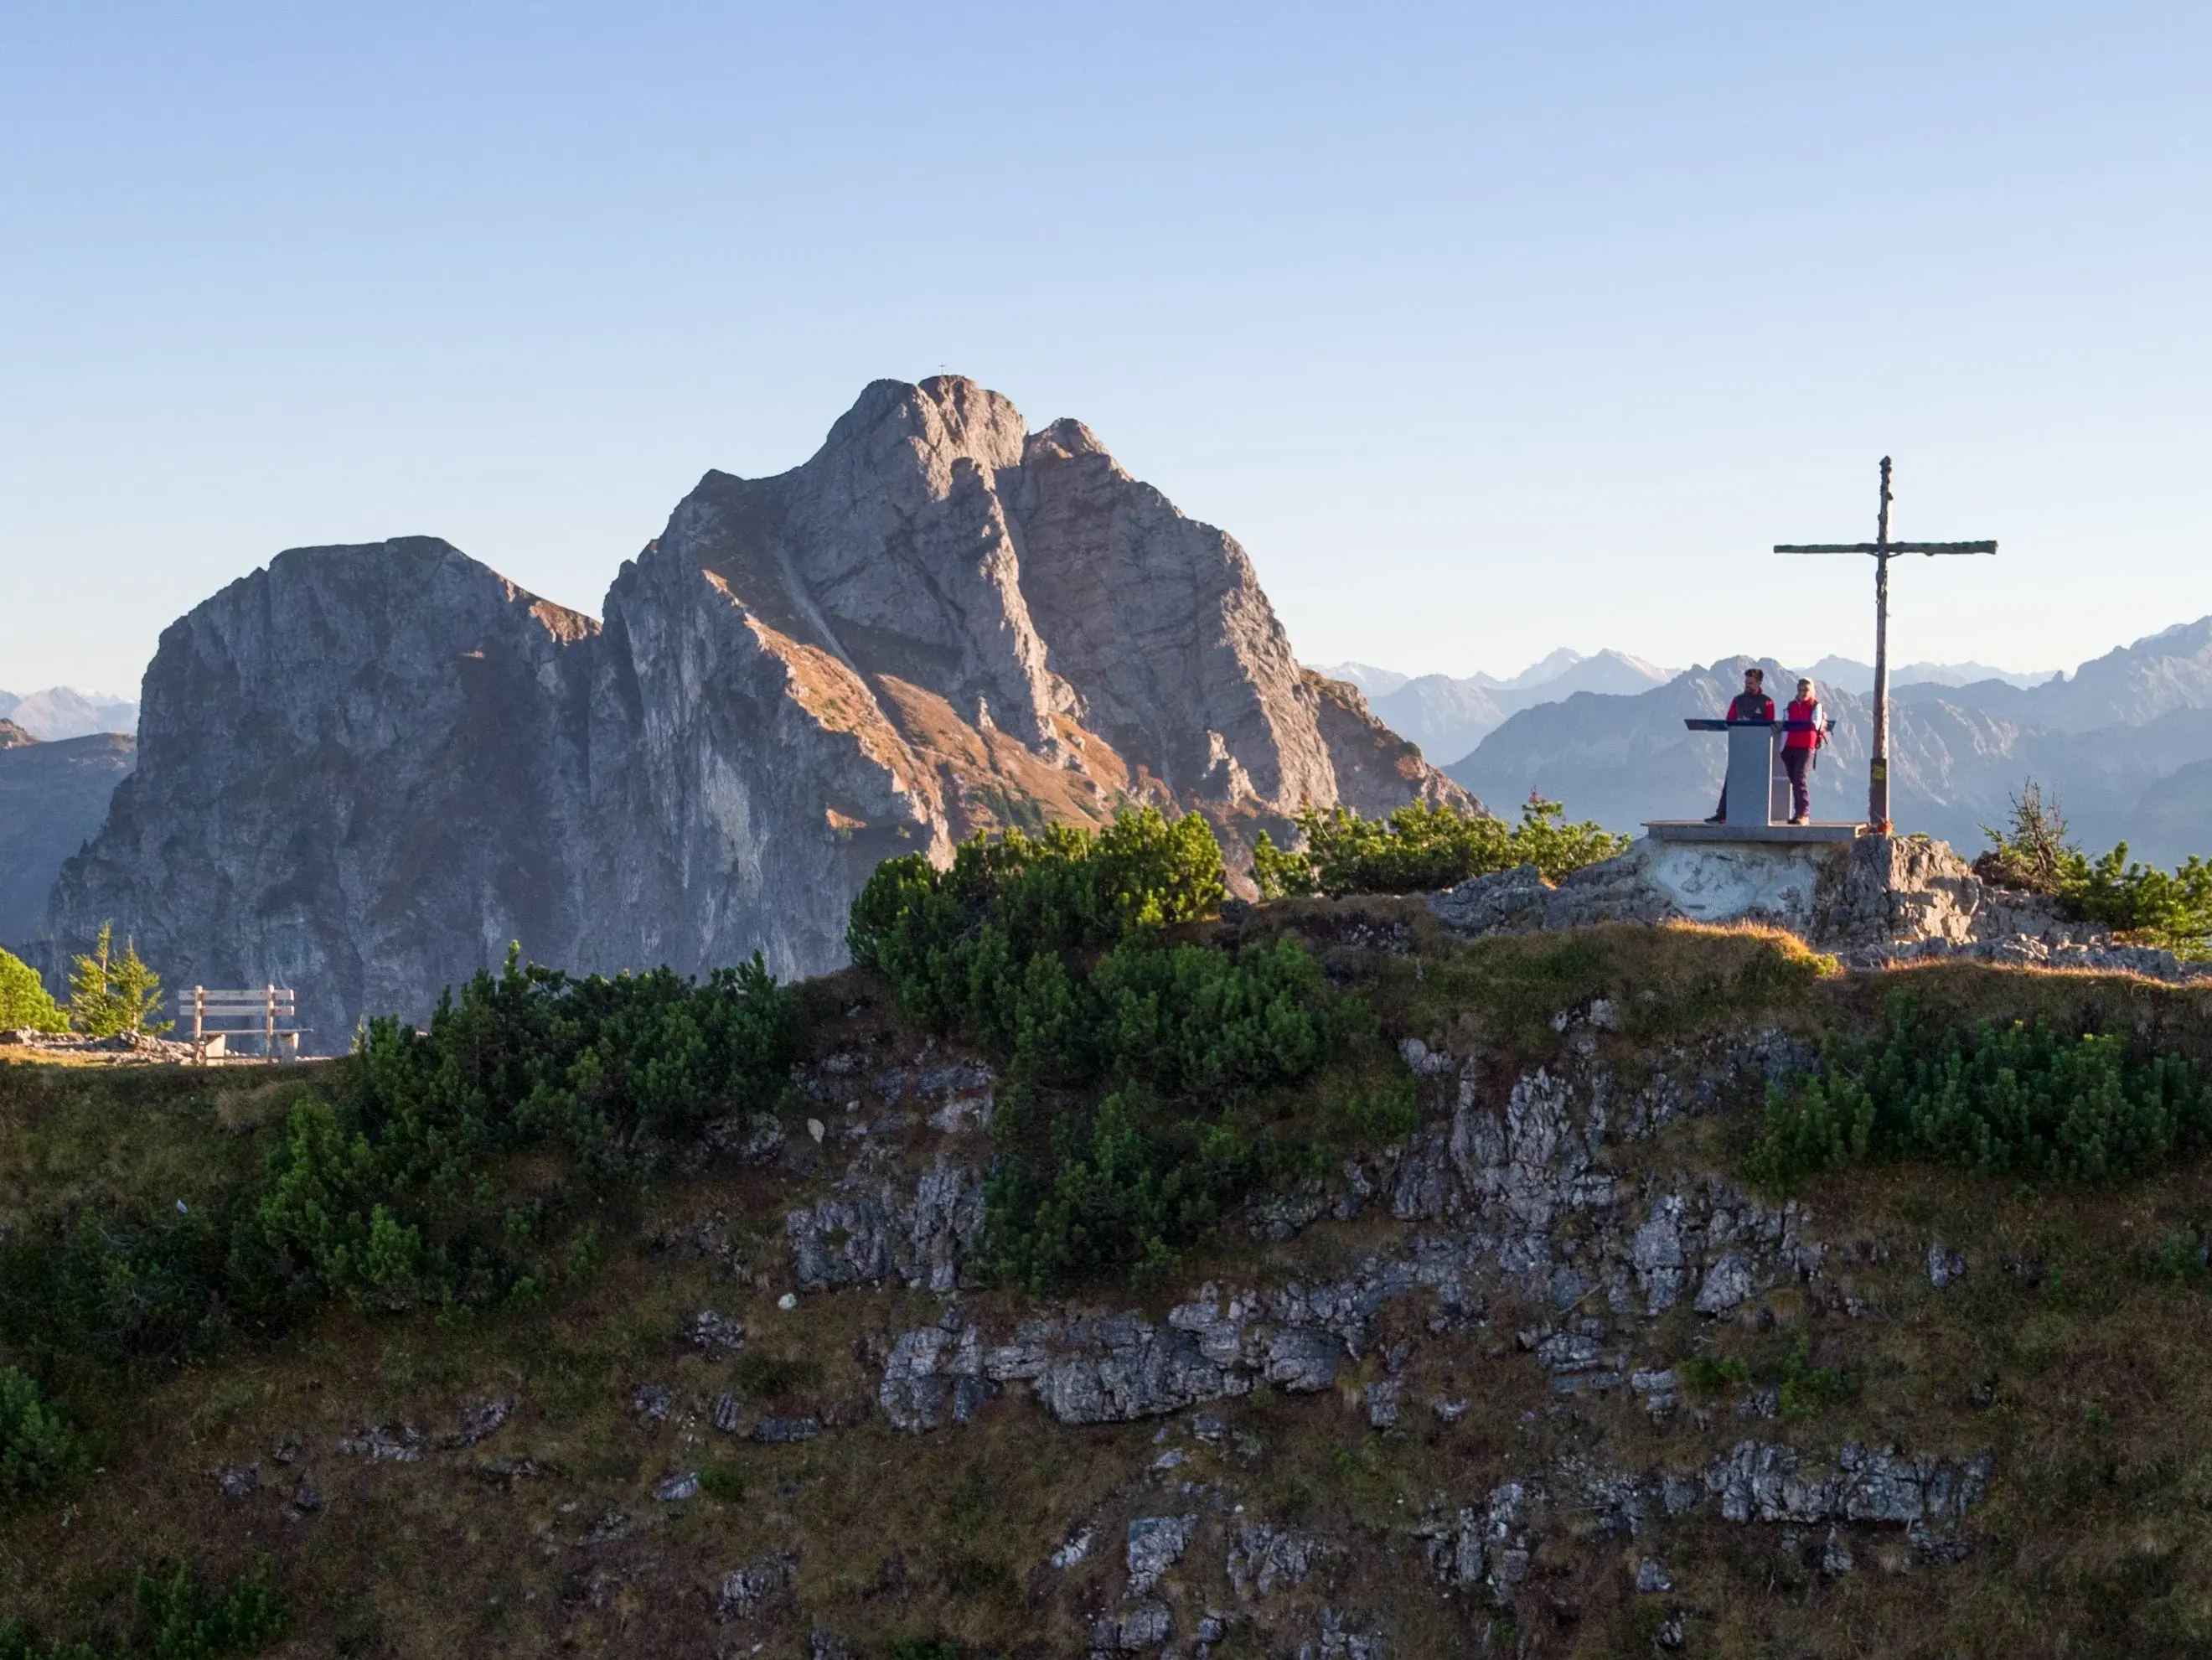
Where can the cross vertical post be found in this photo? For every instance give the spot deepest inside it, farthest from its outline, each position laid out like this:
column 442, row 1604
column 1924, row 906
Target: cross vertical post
column 1883, row 550
column 1878, row 763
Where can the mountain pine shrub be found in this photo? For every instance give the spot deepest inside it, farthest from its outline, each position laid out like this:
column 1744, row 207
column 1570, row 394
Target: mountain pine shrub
column 25, row 1002
column 37, row 1447
column 178, row 1619
column 1420, row 848
column 1146, row 1079
column 399, row 1188
column 379, row 1196
column 2027, row 1099
column 2142, row 903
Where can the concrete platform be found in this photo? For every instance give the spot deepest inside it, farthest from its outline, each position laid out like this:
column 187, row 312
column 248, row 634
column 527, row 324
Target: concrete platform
column 1696, row 829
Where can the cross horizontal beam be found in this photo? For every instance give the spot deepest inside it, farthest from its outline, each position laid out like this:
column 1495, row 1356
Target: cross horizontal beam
column 1930, row 548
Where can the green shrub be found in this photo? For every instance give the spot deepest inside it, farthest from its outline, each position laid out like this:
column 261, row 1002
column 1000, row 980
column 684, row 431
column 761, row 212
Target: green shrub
column 38, row 1449
column 25, row 1002
column 721, row 1483
column 180, row 1621
column 1133, row 1120
column 17, row 1643
column 2020, row 1099
column 2144, row 905
column 1806, row 1389
column 1082, row 1189
column 956, row 943
column 1379, row 1116
column 397, row 1190
column 1197, row 1019
column 384, row 1196
column 157, row 1288
column 1421, row 847
column 2141, row 902
column 2176, row 1259
column 1706, row 1374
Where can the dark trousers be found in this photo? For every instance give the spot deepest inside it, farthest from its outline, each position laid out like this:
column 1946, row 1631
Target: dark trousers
column 1798, row 763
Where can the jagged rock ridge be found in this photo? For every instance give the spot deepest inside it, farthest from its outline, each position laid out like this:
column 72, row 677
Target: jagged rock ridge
column 364, row 769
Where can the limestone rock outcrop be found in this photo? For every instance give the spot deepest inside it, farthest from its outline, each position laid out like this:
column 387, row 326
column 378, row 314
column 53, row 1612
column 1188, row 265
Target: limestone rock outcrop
column 364, row 769
column 1875, row 901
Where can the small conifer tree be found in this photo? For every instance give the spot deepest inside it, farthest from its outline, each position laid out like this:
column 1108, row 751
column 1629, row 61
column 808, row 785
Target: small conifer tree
column 138, row 994
column 110, row 995
column 92, row 1009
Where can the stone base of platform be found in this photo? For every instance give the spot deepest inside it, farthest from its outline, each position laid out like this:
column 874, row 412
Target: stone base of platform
column 1696, row 829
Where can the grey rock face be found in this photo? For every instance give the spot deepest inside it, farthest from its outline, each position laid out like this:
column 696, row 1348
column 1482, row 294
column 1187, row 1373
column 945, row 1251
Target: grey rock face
column 237, row 1481
column 745, row 1592
column 932, row 1376
column 781, row 1432
column 53, row 800
column 1075, row 1548
column 1144, row 1627
column 1521, row 1191
column 1766, row 1482
column 1486, row 1545
column 365, row 770
column 717, row 1334
column 868, row 1238
column 358, row 776
column 1156, row 1543
column 1497, row 1184
column 1262, row 1558
column 1945, row 1266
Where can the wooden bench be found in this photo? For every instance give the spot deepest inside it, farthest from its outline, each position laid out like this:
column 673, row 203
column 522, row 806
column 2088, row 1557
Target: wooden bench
column 268, row 1013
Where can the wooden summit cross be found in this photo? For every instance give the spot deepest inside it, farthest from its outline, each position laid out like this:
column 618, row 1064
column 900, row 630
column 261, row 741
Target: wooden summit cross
column 1883, row 550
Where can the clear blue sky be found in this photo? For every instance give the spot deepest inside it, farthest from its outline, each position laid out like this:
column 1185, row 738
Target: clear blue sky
column 1485, row 328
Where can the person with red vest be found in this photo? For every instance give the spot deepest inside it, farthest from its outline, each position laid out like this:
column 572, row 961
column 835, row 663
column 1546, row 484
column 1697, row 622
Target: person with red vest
column 1752, row 703
column 1800, row 747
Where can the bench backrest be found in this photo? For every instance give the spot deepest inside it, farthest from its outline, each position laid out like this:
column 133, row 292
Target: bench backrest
column 262, row 1005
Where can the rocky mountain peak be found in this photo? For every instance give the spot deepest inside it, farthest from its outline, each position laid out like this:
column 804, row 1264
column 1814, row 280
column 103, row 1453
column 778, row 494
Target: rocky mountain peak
column 366, row 769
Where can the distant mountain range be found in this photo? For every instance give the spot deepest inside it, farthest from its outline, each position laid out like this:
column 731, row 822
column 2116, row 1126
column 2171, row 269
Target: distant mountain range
column 1448, row 716
column 1847, row 674
column 64, row 712
column 2125, row 743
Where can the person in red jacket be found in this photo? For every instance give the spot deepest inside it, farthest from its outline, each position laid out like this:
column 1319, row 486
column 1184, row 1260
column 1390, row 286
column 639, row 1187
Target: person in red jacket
column 1752, row 703
column 1798, row 749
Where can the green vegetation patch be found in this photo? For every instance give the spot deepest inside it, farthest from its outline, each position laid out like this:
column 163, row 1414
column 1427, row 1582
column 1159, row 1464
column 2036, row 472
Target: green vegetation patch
column 2141, row 902
column 2000, row 1099
column 110, row 995
column 38, row 1447
column 178, row 1618
column 25, row 1003
column 462, row 1167
column 1421, row 847
column 1155, row 1086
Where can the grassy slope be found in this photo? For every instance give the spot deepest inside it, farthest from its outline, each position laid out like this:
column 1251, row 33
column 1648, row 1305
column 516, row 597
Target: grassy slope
column 2086, row 1375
